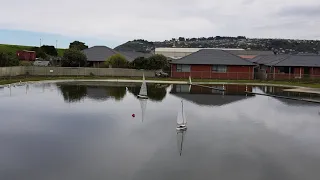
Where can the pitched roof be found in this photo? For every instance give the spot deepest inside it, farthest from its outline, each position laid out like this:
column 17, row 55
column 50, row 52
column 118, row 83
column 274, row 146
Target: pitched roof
column 212, row 56
column 267, row 59
column 302, row 61
column 99, row 53
column 289, row 60
column 249, row 52
column 210, row 99
column 132, row 55
column 102, row 53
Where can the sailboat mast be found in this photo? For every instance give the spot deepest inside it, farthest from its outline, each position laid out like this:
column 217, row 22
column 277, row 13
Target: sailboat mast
column 182, row 112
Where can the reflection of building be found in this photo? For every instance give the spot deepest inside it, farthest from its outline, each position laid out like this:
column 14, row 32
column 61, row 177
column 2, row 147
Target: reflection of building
column 207, row 96
column 230, row 89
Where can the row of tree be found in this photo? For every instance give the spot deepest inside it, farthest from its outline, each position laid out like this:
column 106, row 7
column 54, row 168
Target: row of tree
column 152, row 63
column 8, row 59
column 75, row 93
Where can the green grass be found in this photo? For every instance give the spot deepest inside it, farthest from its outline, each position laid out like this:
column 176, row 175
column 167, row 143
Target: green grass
column 40, row 78
column 8, row 48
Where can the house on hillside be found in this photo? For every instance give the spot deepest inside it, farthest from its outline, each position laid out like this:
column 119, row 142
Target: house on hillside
column 288, row 66
column 24, row 55
column 97, row 55
column 212, row 64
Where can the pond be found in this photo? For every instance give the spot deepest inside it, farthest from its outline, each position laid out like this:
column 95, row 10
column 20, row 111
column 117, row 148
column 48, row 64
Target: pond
column 95, row 130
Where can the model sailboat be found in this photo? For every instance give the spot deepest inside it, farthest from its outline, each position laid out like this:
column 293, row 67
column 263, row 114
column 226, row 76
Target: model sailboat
column 143, row 94
column 143, row 104
column 180, row 138
column 181, row 119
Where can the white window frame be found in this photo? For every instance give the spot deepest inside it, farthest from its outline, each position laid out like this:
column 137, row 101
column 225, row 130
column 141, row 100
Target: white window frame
column 219, row 68
column 183, row 68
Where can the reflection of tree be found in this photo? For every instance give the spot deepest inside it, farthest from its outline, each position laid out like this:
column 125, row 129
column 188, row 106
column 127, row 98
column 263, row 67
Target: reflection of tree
column 117, row 93
column 155, row 92
column 102, row 93
column 73, row 93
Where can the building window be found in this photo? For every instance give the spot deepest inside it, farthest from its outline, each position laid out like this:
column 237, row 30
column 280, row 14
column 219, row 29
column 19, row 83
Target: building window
column 183, row 68
column 222, row 69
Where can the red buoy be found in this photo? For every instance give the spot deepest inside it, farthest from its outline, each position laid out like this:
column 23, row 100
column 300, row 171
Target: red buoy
column 133, row 115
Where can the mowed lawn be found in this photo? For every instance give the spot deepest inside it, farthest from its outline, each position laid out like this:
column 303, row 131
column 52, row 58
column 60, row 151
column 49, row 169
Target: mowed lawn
column 14, row 48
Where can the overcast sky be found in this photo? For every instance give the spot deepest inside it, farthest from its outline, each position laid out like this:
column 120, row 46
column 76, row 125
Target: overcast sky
column 122, row 20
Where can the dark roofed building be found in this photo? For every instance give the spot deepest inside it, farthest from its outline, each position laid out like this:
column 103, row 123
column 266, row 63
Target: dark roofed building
column 289, row 66
column 212, row 64
column 96, row 55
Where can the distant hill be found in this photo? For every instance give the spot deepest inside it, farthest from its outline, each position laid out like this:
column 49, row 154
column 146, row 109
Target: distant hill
column 14, row 48
column 283, row 46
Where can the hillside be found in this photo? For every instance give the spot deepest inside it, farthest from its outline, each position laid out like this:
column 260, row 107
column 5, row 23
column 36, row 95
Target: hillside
column 283, row 46
column 14, row 48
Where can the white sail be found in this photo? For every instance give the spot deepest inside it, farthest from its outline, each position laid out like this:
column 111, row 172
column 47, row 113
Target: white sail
column 143, row 89
column 180, row 139
column 190, row 82
column 181, row 119
column 143, row 104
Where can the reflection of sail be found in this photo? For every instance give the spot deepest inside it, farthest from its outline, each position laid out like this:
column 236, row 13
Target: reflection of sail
column 143, row 90
column 143, row 104
column 180, row 139
column 181, row 119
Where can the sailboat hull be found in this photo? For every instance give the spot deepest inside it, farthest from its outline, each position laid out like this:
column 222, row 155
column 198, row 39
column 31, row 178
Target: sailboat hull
column 142, row 97
column 181, row 128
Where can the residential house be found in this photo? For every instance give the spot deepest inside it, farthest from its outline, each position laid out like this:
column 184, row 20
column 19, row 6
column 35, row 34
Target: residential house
column 97, row 55
column 212, row 64
column 289, row 66
column 249, row 54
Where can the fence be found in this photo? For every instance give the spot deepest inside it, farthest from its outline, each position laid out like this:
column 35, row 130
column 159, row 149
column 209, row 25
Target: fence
column 69, row 71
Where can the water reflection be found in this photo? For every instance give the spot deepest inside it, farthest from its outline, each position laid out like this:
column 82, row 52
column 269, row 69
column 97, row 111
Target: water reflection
column 156, row 92
column 279, row 91
column 211, row 97
column 180, row 140
column 75, row 93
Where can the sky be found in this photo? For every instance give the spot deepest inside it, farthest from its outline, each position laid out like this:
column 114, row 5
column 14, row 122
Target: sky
column 111, row 23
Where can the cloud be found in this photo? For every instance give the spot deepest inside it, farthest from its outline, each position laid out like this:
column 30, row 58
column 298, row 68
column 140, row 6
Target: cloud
column 124, row 20
column 304, row 11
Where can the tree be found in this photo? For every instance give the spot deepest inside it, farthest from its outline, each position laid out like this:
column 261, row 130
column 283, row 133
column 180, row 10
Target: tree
column 181, row 39
column 140, row 63
column 116, row 61
column 73, row 93
column 8, row 59
column 157, row 61
column 78, row 45
column 50, row 50
column 74, row 58
column 39, row 52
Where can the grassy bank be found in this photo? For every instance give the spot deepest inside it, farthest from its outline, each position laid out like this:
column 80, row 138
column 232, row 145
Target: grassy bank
column 40, row 78
column 8, row 48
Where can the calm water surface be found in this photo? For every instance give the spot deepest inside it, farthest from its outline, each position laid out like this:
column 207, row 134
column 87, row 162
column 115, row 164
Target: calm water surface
column 86, row 131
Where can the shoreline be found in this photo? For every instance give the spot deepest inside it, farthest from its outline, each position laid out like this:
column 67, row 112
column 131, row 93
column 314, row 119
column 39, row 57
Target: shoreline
column 299, row 85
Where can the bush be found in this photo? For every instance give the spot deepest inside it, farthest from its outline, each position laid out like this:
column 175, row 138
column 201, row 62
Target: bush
column 74, row 58
column 116, row 61
column 8, row 59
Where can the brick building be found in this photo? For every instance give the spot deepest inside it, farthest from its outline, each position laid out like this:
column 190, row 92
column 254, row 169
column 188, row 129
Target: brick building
column 288, row 66
column 212, row 64
column 24, row 55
